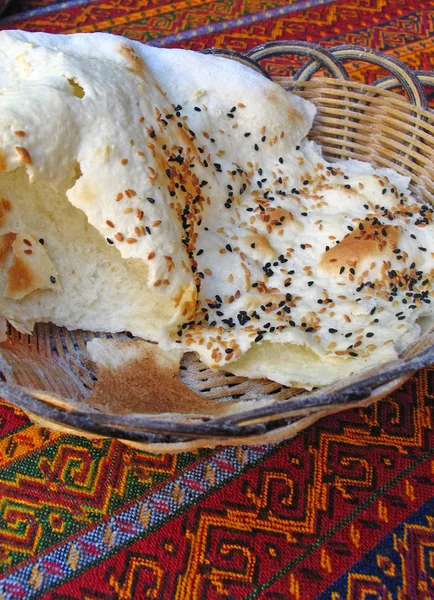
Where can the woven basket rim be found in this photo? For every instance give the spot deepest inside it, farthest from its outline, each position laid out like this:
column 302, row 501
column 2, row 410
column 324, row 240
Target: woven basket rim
column 147, row 431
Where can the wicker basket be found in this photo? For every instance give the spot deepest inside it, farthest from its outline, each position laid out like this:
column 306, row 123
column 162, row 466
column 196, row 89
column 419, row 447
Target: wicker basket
column 49, row 374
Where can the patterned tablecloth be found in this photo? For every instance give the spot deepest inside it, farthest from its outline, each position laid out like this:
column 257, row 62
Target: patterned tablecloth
column 343, row 511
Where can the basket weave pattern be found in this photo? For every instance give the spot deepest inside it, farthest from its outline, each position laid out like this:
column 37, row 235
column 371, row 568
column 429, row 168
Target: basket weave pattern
column 49, row 374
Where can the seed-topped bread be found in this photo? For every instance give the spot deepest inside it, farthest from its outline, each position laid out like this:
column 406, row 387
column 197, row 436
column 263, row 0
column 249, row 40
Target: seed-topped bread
column 184, row 203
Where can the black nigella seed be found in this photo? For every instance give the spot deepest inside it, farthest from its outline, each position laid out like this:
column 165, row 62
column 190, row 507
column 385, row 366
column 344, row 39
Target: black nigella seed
column 243, row 318
column 353, row 354
column 151, row 200
column 109, row 241
column 228, row 247
column 331, row 330
column 199, row 252
column 256, row 147
column 52, row 279
column 259, row 337
column 342, row 269
column 369, row 334
column 348, row 187
column 228, row 350
column 41, row 241
column 197, row 109
column 247, row 134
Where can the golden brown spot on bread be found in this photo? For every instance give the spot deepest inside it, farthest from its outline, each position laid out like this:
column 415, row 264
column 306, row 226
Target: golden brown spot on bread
column 271, row 96
column 146, row 382
column 23, row 155
column 20, row 278
column 20, row 133
column 2, row 161
column 135, row 63
column 261, row 245
column 360, row 245
column 87, row 191
column 293, row 114
column 6, row 241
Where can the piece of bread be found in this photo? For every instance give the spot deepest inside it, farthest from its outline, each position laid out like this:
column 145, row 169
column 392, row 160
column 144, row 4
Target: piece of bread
column 179, row 199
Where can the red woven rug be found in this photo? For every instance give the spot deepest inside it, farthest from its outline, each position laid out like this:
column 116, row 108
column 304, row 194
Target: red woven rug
column 343, row 511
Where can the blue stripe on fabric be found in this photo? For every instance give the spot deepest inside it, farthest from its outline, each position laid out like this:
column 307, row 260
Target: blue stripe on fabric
column 368, row 565
column 42, row 10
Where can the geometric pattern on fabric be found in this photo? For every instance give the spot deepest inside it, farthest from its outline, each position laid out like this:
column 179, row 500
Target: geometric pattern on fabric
column 401, row 565
column 243, row 522
column 342, row 511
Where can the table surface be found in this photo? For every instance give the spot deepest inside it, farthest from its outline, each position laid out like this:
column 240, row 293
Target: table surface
column 343, row 511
